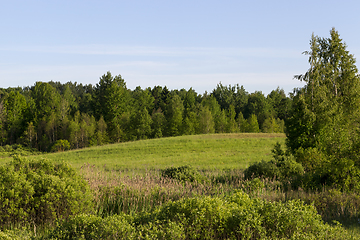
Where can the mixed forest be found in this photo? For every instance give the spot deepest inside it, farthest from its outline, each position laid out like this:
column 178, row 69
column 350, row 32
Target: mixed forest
column 308, row 190
column 51, row 116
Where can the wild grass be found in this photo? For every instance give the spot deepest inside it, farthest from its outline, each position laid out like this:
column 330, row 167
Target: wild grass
column 131, row 192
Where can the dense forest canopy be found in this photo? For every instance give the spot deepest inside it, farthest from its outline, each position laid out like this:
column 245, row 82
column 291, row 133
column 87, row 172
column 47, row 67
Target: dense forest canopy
column 52, row 116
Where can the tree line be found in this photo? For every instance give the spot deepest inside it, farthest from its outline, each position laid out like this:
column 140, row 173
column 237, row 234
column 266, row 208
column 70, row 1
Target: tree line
column 52, row 116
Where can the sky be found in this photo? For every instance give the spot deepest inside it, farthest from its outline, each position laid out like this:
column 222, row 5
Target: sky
column 179, row 44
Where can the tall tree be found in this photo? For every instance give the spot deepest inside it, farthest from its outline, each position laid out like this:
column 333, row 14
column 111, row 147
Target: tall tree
column 112, row 101
column 15, row 107
column 206, row 121
column 257, row 105
column 46, row 105
column 174, row 115
column 325, row 113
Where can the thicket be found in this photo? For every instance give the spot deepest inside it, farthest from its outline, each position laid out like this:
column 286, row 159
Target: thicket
column 235, row 217
column 51, row 116
column 40, row 192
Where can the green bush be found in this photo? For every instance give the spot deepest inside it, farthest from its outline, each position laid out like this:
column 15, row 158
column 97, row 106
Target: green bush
column 263, row 169
column 85, row 226
column 17, row 150
column 60, row 146
column 4, row 236
column 254, row 185
column 40, row 191
column 282, row 167
column 183, row 173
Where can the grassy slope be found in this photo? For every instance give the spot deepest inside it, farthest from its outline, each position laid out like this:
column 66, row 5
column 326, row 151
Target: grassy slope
column 203, row 151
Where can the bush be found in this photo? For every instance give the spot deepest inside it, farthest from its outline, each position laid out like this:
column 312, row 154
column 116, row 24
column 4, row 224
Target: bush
column 263, row 169
column 283, row 167
column 254, row 185
column 17, row 150
column 85, row 226
column 240, row 217
column 40, row 191
column 183, row 173
column 60, row 146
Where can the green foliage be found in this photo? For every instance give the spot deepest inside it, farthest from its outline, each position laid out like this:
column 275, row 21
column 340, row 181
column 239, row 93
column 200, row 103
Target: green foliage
column 112, row 101
column 17, row 150
column 254, row 185
column 183, row 173
column 108, row 112
column 85, row 226
column 240, row 217
column 174, row 116
column 9, row 235
column 60, row 146
column 263, row 169
column 272, row 125
column 236, row 217
column 325, row 112
column 283, row 167
column 252, row 125
column 15, row 107
column 206, row 121
column 40, row 192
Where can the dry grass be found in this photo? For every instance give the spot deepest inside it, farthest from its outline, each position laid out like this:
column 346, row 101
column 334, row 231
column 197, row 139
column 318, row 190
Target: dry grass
column 131, row 191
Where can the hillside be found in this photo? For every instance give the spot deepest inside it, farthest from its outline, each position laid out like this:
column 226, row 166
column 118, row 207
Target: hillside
column 222, row 151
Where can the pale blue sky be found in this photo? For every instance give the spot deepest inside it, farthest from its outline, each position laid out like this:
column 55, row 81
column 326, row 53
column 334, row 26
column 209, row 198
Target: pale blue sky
column 180, row 44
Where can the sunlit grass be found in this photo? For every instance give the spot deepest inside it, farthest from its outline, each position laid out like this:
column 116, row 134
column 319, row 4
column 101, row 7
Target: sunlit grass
column 220, row 151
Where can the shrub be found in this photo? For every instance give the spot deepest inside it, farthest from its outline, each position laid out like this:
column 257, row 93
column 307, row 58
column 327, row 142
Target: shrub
column 282, row 167
column 240, row 217
column 183, row 173
column 60, row 146
column 40, row 191
column 17, row 150
column 263, row 169
column 85, row 226
column 254, row 185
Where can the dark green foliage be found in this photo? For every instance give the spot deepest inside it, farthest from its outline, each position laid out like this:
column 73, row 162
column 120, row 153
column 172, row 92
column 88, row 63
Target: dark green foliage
column 263, row 169
column 15, row 108
column 40, row 192
column 183, row 173
column 257, row 105
column 283, row 167
column 112, row 102
column 108, row 112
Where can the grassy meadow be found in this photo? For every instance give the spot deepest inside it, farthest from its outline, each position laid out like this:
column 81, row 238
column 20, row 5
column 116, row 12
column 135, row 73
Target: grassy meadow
column 213, row 151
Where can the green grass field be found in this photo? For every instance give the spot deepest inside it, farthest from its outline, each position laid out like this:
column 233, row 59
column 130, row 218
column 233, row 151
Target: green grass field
column 221, row 151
